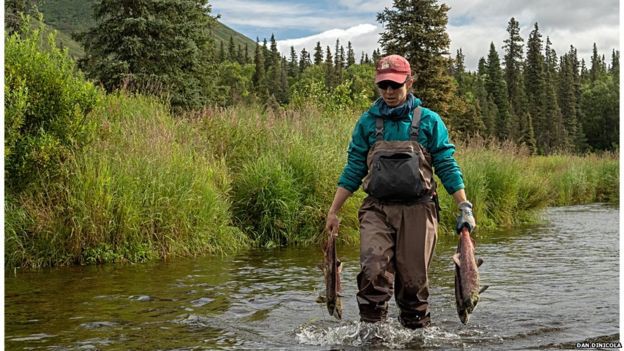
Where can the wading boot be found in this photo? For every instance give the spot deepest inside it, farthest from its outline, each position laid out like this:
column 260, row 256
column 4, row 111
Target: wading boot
column 414, row 321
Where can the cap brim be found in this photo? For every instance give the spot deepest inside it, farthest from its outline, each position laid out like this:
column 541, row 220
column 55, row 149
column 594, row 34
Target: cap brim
column 395, row 77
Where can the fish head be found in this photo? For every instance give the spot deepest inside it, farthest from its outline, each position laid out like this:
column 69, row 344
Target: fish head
column 464, row 317
column 465, row 308
column 335, row 308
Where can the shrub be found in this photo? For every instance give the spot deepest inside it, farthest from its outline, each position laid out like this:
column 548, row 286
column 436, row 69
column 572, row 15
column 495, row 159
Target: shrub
column 47, row 102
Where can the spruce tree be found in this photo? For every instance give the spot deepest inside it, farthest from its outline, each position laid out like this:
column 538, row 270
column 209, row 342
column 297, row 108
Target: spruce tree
column 416, row 29
column 293, row 66
column 614, row 69
column 239, row 54
column 338, row 63
column 557, row 135
column 275, row 55
column 350, row 55
column 595, row 70
column 282, row 95
column 580, row 139
column 376, row 56
column 342, row 61
column 567, row 99
column 231, row 53
column 514, row 49
column 330, row 81
column 487, row 107
column 337, row 54
column 318, row 54
column 495, row 86
column 304, row 60
column 584, row 72
column 459, row 68
column 259, row 77
column 274, row 79
column 482, row 67
column 153, row 46
column 535, row 88
column 458, row 71
column 513, row 61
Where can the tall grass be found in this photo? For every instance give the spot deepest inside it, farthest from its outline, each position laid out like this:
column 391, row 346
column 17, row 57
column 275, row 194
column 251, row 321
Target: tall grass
column 284, row 166
column 212, row 182
column 507, row 185
column 142, row 191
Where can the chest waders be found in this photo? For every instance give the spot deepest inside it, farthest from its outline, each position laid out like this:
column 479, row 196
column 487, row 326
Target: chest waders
column 398, row 229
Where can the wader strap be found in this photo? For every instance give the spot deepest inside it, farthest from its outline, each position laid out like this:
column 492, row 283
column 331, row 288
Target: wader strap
column 415, row 124
column 379, row 128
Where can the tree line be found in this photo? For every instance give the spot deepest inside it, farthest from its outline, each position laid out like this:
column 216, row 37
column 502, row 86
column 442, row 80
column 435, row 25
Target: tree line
column 531, row 95
column 546, row 102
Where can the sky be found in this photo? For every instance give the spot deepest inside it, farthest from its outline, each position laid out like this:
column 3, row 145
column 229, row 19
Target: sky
column 473, row 24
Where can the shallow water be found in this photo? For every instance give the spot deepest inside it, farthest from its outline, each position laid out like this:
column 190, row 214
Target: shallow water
column 551, row 285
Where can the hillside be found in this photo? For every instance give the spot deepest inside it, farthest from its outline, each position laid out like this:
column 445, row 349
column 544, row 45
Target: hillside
column 74, row 16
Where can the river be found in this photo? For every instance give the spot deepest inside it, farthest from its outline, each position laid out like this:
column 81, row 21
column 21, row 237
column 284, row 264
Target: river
column 552, row 285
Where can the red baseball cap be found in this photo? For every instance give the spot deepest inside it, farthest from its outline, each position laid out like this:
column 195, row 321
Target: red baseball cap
column 394, row 68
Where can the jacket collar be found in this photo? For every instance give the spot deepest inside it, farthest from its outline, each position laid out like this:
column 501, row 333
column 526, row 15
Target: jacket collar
column 401, row 112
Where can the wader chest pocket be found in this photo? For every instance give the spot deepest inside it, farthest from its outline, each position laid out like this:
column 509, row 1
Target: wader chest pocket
column 396, row 176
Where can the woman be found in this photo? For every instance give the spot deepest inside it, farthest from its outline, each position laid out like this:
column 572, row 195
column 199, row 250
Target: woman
column 394, row 149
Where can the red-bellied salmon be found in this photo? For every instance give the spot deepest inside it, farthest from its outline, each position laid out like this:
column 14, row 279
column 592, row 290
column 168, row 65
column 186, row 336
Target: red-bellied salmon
column 467, row 288
column 332, row 269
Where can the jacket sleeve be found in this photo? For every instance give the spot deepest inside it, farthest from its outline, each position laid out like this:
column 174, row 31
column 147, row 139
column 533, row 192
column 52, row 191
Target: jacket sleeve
column 441, row 150
column 356, row 169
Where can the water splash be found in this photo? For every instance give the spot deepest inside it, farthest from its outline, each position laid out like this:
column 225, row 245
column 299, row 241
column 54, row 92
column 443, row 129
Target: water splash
column 389, row 334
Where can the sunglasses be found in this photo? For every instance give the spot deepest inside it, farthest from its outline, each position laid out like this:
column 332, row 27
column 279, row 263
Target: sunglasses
column 384, row 84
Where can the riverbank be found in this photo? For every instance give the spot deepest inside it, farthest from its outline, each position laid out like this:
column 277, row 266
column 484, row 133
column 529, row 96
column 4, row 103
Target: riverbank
column 152, row 185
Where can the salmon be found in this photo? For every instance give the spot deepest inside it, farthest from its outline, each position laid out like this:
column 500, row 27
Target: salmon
column 332, row 269
column 467, row 288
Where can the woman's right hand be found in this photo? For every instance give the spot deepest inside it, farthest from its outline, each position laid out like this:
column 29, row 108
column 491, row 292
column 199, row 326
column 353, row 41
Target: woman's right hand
column 332, row 223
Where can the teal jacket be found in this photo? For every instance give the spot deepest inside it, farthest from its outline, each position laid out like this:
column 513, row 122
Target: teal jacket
column 433, row 135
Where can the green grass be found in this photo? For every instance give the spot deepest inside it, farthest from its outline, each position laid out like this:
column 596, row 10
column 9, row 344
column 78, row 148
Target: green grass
column 157, row 186
column 507, row 186
column 141, row 191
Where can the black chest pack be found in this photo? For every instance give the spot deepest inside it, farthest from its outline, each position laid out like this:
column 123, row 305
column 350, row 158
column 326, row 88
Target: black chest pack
column 399, row 171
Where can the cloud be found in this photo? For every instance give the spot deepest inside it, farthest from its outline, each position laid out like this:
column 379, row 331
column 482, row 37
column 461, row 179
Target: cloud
column 365, row 6
column 475, row 42
column 576, row 14
column 474, row 24
column 315, row 23
column 363, row 37
column 279, row 16
column 254, row 9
